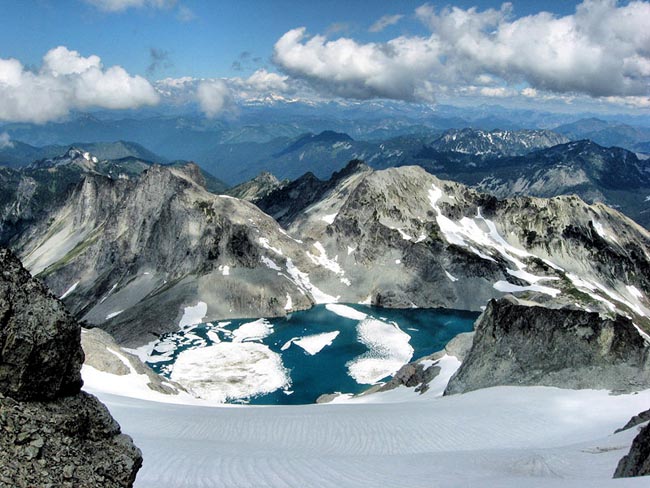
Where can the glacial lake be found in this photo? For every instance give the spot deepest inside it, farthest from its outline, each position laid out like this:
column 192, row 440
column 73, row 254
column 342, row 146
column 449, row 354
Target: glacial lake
column 293, row 360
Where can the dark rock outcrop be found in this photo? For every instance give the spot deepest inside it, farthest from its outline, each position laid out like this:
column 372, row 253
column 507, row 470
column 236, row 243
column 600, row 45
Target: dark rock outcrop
column 637, row 461
column 52, row 433
column 523, row 345
column 40, row 350
column 636, row 420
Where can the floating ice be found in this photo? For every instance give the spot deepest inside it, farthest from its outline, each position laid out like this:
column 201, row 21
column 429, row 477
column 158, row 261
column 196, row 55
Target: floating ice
column 193, row 315
column 230, row 371
column 345, row 311
column 253, row 331
column 313, row 344
column 389, row 351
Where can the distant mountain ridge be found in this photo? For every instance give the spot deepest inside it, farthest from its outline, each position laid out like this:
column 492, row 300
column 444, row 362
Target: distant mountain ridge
column 19, row 154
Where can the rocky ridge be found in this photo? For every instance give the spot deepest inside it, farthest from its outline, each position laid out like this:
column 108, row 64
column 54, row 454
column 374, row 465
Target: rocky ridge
column 124, row 253
column 53, row 434
column 530, row 345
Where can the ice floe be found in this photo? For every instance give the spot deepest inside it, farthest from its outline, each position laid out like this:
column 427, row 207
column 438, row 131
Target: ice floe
column 194, row 314
column 230, row 370
column 345, row 311
column 312, row 344
column 389, row 350
column 252, row 331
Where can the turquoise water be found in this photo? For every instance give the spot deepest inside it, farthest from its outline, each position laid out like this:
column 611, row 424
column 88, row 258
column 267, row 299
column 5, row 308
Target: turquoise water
column 326, row 371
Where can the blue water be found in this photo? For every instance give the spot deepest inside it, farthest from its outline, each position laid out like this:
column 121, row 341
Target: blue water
column 326, row 371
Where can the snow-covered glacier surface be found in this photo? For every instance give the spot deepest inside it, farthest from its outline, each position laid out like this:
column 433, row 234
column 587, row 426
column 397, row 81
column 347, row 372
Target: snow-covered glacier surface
column 505, row 437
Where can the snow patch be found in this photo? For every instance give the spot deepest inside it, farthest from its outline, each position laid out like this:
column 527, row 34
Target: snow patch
column 303, row 282
column 265, row 244
column 289, row 304
column 506, row 287
column 113, row 314
column 269, row 263
column 329, row 219
column 451, row 278
column 69, row 290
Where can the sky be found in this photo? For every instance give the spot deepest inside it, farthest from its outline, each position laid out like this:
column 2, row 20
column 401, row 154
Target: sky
column 113, row 54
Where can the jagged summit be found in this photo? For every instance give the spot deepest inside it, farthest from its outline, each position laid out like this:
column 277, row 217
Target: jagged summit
column 257, row 188
column 73, row 156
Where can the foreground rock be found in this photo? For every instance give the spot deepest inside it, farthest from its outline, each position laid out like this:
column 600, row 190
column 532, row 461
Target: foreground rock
column 52, row 433
column 637, row 461
column 523, row 345
column 105, row 355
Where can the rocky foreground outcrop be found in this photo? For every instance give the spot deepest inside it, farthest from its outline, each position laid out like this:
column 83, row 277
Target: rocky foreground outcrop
column 637, row 461
column 523, row 345
column 52, row 433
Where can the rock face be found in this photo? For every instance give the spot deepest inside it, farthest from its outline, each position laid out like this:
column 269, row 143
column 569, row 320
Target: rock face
column 523, row 345
column 140, row 251
column 52, row 433
column 40, row 351
column 104, row 354
column 637, row 461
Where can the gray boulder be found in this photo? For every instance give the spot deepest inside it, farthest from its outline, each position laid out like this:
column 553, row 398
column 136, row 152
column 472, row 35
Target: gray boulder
column 40, row 352
column 52, row 433
column 530, row 345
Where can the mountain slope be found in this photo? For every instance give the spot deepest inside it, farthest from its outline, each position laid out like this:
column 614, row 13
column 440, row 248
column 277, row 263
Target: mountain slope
column 132, row 254
column 496, row 143
column 405, row 238
column 136, row 256
column 27, row 193
column 613, row 176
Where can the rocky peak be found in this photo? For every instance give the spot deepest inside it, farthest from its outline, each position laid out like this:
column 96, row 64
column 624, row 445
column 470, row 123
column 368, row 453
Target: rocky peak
column 257, row 188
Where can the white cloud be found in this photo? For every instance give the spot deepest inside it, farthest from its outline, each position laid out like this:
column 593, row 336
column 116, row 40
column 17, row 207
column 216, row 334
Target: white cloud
column 5, row 141
column 602, row 50
column 121, row 5
column 67, row 81
column 214, row 97
column 385, row 21
column 398, row 69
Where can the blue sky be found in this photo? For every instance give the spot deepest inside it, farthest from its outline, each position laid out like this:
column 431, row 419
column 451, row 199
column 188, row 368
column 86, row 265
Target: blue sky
column 209, row 43
column 71, row 55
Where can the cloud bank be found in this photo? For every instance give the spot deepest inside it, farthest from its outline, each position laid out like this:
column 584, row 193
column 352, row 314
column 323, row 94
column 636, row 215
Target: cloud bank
column 602, row 50
column 67, row 81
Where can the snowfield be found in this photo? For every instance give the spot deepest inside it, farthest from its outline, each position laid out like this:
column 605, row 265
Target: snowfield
column 505, row 436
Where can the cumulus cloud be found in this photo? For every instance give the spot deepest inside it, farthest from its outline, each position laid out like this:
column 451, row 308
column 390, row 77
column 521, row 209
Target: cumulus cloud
column 385, row 21
column 602, row 50
column 398, row 69
column 214, row 97
column 67, row 81
column 121, row 5
column 5, row 141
